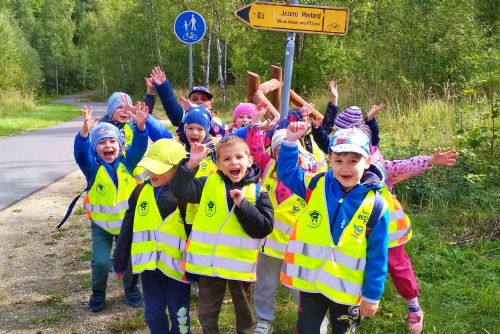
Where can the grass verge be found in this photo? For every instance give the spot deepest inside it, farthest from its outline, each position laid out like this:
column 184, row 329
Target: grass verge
column 21, row 118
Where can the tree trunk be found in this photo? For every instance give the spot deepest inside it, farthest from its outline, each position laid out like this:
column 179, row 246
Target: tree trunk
column 57, row 79
column 156, row 31
column 207, row 60
column 220, row 77
column 225, row 61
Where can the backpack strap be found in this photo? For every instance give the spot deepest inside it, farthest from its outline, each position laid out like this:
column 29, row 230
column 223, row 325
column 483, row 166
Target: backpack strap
column 257, row 192
column 378, row 206
column 312, row 185
column 70, row 208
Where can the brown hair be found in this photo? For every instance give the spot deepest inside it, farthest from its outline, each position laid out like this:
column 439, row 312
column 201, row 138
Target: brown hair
column 229, row 141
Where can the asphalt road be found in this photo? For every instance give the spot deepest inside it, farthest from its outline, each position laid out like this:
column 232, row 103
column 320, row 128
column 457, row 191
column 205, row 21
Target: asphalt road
column 33, row 160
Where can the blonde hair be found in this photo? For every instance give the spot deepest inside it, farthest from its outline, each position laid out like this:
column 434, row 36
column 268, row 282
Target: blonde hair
column 230, row 141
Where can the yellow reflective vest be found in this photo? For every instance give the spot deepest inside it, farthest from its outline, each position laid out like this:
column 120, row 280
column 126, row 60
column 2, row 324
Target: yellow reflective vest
column 313, row 263
column 218, row 245
column 286, row 214
column 206, row 168
column 157, row 243
column 129, row 134
column 104, row 203
column 400, row 230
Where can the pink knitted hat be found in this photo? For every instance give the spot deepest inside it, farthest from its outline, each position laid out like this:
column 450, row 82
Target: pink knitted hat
column 243, row 108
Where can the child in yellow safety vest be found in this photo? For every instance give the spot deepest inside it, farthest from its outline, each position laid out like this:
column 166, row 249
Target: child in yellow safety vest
column 153, row 236
column 337, row 253
column 400, row 230
column 233, row 215
column 287, row 206
column 109, row 183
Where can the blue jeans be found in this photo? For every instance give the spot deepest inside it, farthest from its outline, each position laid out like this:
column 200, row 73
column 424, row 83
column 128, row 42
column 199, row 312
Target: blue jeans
column 162, row 292
column 102, row 242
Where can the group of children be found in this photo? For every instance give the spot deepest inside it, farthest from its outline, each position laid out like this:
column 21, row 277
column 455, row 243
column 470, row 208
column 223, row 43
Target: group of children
column 246, row 205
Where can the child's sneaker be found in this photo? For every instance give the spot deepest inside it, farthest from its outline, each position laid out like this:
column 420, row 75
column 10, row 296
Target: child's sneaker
column 416, row 321
column 134, row 297
column 263, row 327
column 96, row 301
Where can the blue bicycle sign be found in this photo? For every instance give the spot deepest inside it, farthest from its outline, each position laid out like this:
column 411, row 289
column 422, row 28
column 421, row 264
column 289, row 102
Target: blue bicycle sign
column 189, row 27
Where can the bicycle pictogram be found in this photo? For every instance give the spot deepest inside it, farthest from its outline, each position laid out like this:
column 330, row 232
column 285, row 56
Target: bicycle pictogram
column 190, row 36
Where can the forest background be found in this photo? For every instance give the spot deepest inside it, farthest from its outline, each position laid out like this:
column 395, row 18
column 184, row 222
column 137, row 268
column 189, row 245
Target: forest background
column 434, row 63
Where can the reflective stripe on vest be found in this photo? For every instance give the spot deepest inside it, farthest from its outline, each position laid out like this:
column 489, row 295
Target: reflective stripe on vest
column 207, row 167
column 286, row 214
column 104, row 204
column 400, row 230
column 313, row 263
column 157, row 244
column 218, row 245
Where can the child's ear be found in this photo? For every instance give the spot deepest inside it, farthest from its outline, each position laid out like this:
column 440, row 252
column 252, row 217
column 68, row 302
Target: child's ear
column 368, row 162
column 250, row 160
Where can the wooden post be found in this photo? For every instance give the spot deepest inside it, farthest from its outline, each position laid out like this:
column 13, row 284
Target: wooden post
column 253, row 83
column 271, row 110
column 297, row 100
column 269, row 86
column 277, row 73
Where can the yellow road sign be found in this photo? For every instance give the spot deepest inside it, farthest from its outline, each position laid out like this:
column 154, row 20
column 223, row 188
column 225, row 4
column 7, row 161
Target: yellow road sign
column 295, row 18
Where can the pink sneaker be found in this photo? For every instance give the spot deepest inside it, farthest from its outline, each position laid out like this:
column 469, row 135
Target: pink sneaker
column 416, row 321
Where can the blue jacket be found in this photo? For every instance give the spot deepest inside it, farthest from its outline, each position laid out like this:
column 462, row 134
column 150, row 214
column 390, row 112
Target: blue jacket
column 340, row 213
column 156, row 130
column 89, row 162
column 175, row 113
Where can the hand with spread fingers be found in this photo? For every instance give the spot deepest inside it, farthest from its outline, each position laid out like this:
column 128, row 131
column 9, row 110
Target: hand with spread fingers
column 447, row 159
column 197, row 153
column 88, row 122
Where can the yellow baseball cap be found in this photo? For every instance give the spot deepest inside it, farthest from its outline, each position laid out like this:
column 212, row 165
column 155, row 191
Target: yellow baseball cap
column 161, row 156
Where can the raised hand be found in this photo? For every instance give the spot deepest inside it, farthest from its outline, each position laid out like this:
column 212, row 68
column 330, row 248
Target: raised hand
column 269, row 124
column 367, row 309
column 295, row 131
column 126, row 105
column 374, row 110
column 150, row 85
column 186, row 104
column 88, row 122
column 260, row 111
column 197, row 153
column 139, row 114
column 306, row 109
column 334, row 94
column 237, row 196
column 448, row 158
column 158, row 75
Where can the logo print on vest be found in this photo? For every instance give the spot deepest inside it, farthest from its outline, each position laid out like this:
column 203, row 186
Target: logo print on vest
column 101, row 190
column 315, row 219
column 268, row 187
column 210, row 209
column 203, row 165
column 143, row 208
column 295, row 210
column 357, row 230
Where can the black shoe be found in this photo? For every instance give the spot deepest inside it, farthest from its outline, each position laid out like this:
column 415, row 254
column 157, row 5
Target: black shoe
column 134, row 297
column 96, row 301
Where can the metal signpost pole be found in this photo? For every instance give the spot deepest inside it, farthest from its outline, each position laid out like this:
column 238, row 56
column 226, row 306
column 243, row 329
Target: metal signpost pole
column 189, row 28
column 190, row 57
column 287, row 73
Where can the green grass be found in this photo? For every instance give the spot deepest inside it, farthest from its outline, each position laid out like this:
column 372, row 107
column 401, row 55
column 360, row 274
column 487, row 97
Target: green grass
column 23, row 115
column 136, row 322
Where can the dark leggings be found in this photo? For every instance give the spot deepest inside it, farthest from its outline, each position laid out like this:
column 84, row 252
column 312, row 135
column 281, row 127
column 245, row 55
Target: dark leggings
column 344, row 319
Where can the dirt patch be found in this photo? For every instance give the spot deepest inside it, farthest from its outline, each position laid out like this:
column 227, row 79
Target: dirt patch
column 45, row 273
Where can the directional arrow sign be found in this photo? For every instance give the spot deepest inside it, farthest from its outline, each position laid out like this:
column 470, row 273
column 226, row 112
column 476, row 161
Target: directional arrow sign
column 295, row 18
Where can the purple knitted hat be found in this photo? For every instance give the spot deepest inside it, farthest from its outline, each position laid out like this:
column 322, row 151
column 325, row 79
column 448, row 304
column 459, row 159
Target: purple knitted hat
column 349, row 117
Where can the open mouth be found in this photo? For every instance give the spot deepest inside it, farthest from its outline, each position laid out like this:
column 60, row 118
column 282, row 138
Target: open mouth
column 109, row 154
column 234, row 172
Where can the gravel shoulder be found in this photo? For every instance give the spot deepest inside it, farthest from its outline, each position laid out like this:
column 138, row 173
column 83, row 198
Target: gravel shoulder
column 45, row 273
